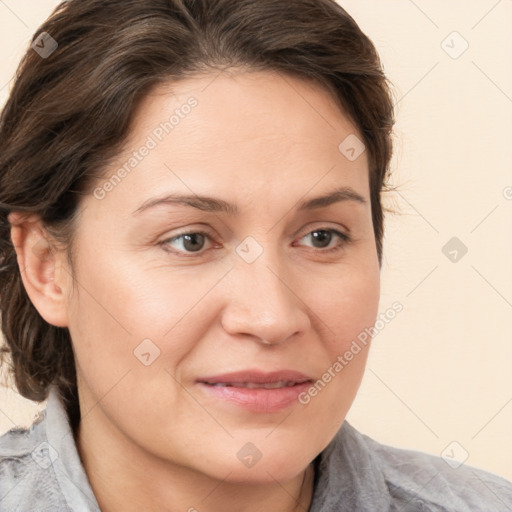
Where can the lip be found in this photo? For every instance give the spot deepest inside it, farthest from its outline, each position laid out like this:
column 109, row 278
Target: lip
column 230, row 387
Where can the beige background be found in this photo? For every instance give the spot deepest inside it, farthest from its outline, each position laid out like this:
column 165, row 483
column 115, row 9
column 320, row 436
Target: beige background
column 441, row 370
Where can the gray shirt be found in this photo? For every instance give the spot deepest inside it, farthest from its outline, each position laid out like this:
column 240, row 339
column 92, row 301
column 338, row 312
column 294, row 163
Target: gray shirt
column 40, row 470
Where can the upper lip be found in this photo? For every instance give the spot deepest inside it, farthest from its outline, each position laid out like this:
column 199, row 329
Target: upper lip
column 257, row 377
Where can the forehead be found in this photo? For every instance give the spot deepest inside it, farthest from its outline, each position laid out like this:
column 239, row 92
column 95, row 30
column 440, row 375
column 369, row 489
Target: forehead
column 247, row 132
column 245, row 106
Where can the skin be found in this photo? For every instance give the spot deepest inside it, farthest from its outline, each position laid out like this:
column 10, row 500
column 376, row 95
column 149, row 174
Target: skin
column 150, row 438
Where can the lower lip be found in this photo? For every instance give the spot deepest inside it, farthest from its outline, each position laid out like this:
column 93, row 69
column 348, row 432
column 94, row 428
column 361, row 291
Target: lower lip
column 258, row 399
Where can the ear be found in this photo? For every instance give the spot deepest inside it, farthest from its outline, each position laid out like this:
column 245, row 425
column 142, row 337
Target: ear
column 42, row 268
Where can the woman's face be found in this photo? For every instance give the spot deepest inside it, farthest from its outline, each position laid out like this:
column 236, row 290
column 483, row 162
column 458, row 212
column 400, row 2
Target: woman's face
column 199, row 350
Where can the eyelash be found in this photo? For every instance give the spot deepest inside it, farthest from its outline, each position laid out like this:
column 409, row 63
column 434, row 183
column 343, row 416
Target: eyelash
column 344, row 239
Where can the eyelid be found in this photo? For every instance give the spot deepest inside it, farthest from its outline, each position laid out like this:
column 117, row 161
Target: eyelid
column 323, row 226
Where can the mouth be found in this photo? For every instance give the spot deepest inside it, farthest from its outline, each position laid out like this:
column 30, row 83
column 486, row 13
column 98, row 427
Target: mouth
column 256, row 385
column 257, row 391
column 257, row 379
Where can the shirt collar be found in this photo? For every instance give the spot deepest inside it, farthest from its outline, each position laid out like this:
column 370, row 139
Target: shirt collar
column 68, row 467
column 347, row 477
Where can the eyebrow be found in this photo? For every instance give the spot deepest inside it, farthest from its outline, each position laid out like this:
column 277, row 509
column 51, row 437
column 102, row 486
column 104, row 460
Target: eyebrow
column 215, row 205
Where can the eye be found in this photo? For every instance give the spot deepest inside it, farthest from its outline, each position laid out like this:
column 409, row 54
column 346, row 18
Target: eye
column 194, row 241
column 324, row 236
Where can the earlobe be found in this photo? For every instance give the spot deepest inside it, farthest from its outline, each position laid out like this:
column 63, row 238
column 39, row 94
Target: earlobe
column 38, row 262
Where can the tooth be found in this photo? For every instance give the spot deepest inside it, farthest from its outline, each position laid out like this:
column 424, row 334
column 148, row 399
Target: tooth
column 275, row 385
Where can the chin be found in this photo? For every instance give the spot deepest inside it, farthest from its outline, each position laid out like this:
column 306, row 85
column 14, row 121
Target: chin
column 265, row 464
column 267, row 472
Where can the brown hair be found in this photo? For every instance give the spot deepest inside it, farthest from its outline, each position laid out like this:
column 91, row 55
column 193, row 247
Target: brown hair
column 69, row 113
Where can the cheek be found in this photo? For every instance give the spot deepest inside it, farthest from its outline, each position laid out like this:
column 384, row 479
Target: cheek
column 121, row 305
column 347, row 305
column 346, row 310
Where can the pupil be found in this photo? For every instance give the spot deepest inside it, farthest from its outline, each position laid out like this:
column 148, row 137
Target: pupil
column 193, row 238
column 324, row 235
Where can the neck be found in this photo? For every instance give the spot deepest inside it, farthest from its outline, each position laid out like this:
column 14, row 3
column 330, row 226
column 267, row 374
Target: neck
column 125, row 477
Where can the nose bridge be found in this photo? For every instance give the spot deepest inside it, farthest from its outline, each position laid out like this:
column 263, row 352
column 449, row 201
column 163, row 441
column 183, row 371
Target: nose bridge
column 261, row 291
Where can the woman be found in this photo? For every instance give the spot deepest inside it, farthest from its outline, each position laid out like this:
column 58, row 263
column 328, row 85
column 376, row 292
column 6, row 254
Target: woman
column 191, row 239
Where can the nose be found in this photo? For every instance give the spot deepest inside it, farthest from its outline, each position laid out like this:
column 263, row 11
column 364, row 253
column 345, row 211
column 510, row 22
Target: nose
column 265, row 301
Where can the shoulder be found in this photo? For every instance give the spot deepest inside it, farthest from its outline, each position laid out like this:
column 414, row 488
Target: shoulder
column 420, row 481
column 27, row 476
